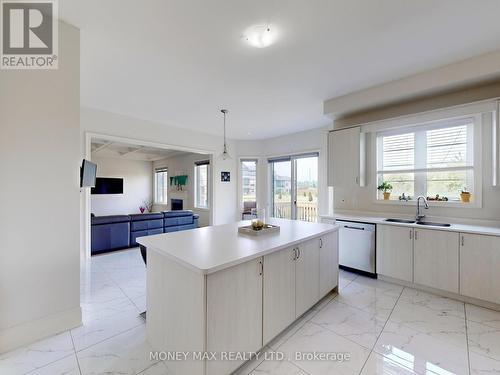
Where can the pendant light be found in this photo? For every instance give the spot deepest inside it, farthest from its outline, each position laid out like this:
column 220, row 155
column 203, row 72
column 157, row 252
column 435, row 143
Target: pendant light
column 225, row 155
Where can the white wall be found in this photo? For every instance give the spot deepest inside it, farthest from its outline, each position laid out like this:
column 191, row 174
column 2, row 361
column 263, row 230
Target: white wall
column 292, row 144
column 107, row 123
column 184, row 165
column 137, row 186
column 39, row 198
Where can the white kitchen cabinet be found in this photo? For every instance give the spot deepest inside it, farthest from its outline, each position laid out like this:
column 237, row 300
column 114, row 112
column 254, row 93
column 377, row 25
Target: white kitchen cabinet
column 479, row 267
column 395, row 252
column 436, row 262
column 328, row 263
column 279, row 292
column 346, row 158
column 234, row 313
column 306, row 276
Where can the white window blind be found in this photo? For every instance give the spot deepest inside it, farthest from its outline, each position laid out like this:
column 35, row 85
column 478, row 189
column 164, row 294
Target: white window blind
column 161, row 185
column 399, row 152
column 429, row 160
column 447, row 147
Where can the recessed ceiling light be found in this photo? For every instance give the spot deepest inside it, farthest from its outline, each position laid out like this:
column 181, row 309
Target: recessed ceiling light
column 260, row 36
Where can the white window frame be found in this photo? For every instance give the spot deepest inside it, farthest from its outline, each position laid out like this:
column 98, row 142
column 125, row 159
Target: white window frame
column 477, row 162
column 240, row 179
column 195, row 173
column 156, row 171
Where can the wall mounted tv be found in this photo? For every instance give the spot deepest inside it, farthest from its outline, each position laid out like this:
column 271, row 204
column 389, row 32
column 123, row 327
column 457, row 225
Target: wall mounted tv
column 104, row 185
column 88, row 172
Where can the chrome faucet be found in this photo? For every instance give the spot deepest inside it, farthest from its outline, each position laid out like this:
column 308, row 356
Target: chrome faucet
column 419, row 216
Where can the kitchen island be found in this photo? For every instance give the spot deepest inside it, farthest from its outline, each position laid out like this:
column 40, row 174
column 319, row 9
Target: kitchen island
column 215, row 296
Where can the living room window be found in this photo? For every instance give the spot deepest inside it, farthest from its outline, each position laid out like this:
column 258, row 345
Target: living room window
column 201, row 173
column 435, row 160
column 248, row 169
column 161, row 185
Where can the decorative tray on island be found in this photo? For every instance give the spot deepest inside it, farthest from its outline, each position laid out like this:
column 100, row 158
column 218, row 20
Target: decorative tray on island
column 267, row 228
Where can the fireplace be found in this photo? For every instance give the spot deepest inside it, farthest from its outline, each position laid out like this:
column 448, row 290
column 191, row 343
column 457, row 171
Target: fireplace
column 176, row 204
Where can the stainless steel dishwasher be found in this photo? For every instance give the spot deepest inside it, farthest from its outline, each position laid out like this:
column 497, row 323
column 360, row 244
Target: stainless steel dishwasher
column 357, row 246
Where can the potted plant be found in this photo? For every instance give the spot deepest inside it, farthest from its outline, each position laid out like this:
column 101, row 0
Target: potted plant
column 465, row 195
column 386, row 188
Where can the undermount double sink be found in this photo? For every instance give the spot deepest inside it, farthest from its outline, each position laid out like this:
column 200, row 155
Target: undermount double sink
column 429, row 223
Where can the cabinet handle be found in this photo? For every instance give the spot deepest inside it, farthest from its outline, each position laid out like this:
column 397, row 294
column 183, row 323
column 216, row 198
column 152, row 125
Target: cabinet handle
column 416, row 235
column 298, row 253
column 357, row 228
column 320, row 243
column 261, row 268
column 357, row 180
column 294, row 251
column 463, row 241
column 411, row 234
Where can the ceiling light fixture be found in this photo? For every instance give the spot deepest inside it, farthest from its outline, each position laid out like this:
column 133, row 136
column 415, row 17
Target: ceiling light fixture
column 260, row 36
column 225, row 155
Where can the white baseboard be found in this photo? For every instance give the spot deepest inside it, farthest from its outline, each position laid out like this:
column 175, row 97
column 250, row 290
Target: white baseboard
column 27, row 333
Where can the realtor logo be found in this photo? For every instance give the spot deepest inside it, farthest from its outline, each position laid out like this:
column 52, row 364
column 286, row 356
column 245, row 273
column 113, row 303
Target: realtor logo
column 29, row 34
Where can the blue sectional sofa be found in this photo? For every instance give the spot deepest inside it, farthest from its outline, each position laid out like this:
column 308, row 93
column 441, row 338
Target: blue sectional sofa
column 174, row 221
column 145, row 225
column 117, row 232
column 110, row 233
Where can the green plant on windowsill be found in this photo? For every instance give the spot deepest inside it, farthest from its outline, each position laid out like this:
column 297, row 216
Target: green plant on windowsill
column 386, row 189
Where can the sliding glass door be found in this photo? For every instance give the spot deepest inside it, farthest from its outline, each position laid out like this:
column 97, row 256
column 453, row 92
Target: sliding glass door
column 294, row 187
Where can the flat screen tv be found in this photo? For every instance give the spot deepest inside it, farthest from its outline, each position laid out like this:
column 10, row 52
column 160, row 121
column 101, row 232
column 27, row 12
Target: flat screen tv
column 104, row 185
column 88, row 173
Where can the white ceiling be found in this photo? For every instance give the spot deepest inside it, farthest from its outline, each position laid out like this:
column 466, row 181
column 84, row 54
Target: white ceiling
column 106, row 149
column 179, row 61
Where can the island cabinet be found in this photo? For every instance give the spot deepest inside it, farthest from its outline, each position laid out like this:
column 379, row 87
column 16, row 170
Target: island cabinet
column 307, row 276
column 436, row 259
column 295, row 279
column 395, row 252
column 279, row 292
column 480, row 267
column 211, row 291
column 234, row 313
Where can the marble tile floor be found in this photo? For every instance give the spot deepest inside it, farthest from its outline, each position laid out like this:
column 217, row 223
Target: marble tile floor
column 373, row 327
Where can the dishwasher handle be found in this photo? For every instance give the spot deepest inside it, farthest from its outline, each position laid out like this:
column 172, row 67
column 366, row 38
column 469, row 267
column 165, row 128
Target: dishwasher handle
column 351, row 227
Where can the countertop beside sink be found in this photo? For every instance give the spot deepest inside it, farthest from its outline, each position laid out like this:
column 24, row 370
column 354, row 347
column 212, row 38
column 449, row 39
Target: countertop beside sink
column 454, row 227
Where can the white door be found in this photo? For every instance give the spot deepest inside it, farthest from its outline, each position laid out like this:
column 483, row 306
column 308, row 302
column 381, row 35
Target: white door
column 328, row 263
column 234, row 313
column 306, row 277
column 395, row 252
column 279, row 292
column 479, row 267
column 436, row 259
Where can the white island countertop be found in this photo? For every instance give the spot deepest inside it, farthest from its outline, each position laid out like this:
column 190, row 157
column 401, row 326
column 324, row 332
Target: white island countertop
column 211, row 249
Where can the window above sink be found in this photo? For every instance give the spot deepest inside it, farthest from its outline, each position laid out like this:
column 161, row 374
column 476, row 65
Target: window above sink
column 438, row 159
